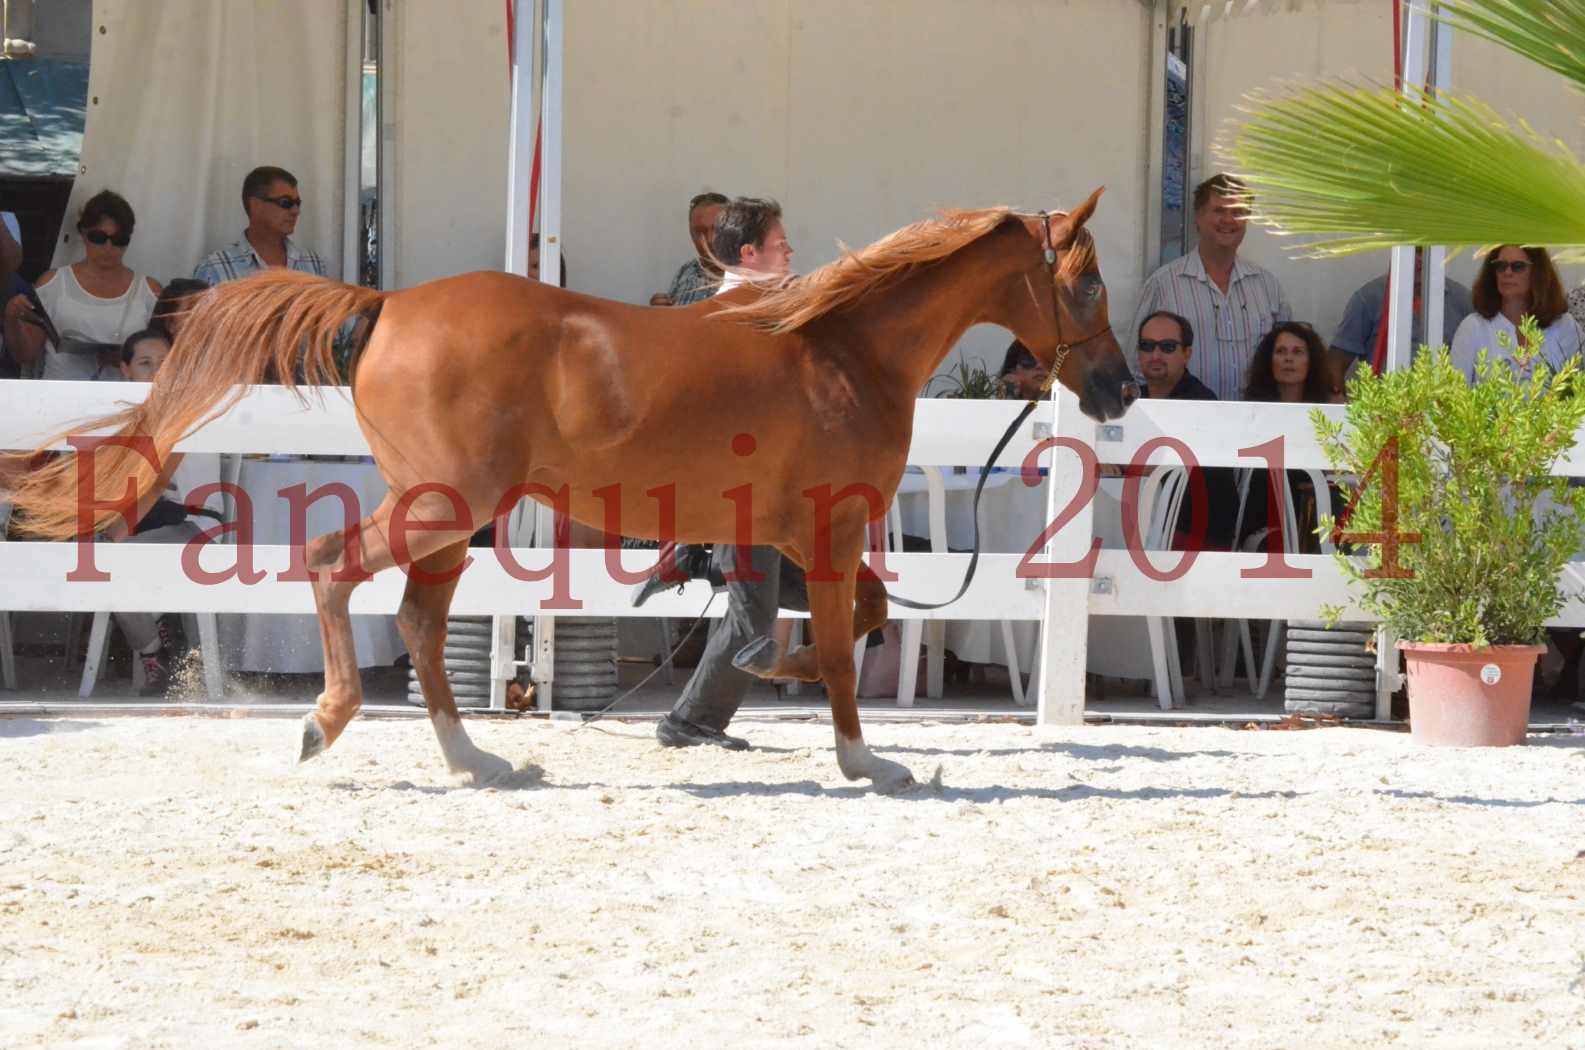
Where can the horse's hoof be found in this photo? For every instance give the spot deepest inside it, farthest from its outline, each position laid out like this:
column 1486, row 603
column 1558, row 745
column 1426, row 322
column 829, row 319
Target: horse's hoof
column 892, row 781
column 758, row 657
column 313, row 739
column 485, row 767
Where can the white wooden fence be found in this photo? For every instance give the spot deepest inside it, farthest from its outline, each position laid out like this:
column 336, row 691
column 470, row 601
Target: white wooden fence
column 33, row 576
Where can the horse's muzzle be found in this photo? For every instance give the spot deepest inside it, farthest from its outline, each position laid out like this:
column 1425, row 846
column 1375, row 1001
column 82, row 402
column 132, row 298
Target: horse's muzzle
column 1108, row 391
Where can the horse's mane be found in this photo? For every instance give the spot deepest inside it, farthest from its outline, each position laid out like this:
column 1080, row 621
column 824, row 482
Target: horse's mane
column 795, row 302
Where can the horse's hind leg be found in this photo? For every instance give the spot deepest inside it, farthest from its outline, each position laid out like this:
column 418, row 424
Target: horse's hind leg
column 422, row 621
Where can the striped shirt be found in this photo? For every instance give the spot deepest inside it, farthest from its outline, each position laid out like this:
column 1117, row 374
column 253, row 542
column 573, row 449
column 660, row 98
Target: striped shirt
column 240, row 260
column 1227, row 328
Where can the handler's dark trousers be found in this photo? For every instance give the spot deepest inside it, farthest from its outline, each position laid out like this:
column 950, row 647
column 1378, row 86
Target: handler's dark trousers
column 716, row 690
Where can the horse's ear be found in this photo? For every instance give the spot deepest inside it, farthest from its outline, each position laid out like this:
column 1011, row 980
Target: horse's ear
column 1063, row 231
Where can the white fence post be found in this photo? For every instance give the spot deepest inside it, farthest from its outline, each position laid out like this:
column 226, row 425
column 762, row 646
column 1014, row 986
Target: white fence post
column 1064, row 635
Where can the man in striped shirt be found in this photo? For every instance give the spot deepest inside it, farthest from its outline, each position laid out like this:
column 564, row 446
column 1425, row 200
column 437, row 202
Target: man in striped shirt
column 272, row 204
column 1232, row 303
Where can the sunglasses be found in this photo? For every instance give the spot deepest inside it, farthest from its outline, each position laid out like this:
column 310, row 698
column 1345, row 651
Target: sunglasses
column 1517, row 266
column 1164, row 346
column 100, row 237
column 283, row 203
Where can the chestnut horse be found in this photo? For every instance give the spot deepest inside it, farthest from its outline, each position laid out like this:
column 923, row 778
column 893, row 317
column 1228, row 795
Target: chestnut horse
column 470, row 387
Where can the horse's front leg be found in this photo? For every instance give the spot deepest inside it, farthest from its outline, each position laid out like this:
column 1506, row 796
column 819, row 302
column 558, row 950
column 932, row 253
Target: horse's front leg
column 832, row 616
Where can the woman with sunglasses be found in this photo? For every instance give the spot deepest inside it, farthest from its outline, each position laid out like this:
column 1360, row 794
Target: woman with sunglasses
column 94, row 304
column 1513, row 282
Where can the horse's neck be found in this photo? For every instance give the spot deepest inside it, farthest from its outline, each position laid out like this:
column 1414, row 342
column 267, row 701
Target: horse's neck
column 916, row 322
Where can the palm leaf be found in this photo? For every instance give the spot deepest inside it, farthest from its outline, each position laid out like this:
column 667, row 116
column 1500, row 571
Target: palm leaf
column 1550, row 33
column 1368, row 168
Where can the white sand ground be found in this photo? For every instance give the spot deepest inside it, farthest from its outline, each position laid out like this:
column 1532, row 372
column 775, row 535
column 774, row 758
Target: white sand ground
column 179, row 882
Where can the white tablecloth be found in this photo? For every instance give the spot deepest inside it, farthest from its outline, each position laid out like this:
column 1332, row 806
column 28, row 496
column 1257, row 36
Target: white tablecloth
column 1012, row 517
column 290, row 644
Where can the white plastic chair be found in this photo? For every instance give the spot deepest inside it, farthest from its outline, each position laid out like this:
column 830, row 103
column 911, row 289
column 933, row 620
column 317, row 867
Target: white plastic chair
column 915, row 631
column 1260, row 681
column 203, row 625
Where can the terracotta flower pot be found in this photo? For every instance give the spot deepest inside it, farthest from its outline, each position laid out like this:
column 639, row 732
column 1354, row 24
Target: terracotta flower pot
column 1463, row 696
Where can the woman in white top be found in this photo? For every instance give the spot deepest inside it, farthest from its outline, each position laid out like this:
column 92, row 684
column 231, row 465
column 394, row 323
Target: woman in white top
column 94, row 304
column 1513, row 282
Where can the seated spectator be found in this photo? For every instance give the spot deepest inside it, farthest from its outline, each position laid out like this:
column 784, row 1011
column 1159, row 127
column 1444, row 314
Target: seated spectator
column 94, row 304
column 272, row 204
column 698, row 278
column 1022, row 376
column 161, row 518
column 1166, row 343
column 1512, row 283
column 173, row 305
column 1360, row 338
column 1165, row 346
column 1291, row 366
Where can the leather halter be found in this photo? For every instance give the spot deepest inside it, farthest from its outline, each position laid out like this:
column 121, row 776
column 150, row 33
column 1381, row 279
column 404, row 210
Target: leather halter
column 1061, row 354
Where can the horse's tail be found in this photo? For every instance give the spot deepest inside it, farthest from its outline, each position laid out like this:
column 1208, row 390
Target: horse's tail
column 269, row 328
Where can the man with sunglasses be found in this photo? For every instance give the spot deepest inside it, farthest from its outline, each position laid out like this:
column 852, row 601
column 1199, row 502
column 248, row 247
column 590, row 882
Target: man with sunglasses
column 273, row 205
column 1165, row 345
column 1166, row 342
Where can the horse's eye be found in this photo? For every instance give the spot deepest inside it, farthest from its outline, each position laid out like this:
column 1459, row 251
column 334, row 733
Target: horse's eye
column 1093, row 288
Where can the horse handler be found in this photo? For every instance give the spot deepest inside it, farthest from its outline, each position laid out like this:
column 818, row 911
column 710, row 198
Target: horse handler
column 751, row 243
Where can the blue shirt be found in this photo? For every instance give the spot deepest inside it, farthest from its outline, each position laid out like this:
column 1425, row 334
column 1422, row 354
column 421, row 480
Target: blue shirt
column 1362, row 318
column 240, row 260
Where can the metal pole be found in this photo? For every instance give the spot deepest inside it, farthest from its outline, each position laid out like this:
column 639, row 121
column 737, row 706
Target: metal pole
column 520, row 152
column 1400, row 310
column 1432, row 293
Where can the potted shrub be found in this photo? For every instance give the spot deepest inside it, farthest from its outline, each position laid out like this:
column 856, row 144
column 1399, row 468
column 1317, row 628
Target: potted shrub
column 1458, row 531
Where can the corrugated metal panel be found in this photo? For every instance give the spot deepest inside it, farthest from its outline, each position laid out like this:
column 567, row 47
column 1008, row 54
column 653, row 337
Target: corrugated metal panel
column 43, row 103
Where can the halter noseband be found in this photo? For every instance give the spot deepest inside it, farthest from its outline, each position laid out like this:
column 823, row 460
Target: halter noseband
column 1063, row 348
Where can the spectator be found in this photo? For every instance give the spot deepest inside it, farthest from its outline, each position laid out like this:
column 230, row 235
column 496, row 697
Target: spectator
column 698, row 278
column 1291, row 366
column 1165, row 347
column 10, row 247
column 533, row 261
column 173, row 305
column 1022, row 376
column 11, row 285
column 272, row 204
column 1231, row 302
column 1513, row 282
column 161, row 518
column 1365, row 319
column 750, row 241
column 94, row 304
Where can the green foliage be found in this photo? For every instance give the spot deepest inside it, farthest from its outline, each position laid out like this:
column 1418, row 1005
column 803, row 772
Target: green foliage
column 1415, row 173
column 1473, row 480
column 969, row 381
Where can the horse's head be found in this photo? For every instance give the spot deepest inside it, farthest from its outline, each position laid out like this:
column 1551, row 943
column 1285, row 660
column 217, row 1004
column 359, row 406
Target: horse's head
column 1063, row 319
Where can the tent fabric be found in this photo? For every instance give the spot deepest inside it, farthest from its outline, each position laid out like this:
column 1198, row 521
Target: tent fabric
column 42, row 103
column 186, row 97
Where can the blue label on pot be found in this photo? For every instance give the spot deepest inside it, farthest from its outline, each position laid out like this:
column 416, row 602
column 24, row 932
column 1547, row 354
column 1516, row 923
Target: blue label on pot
column 1491, row 674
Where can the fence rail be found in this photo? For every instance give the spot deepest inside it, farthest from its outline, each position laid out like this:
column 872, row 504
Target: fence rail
column 33, row 576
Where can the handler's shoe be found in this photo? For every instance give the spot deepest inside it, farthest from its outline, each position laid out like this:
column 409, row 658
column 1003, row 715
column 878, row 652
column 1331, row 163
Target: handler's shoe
column 693, row 562
column 679, row 732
